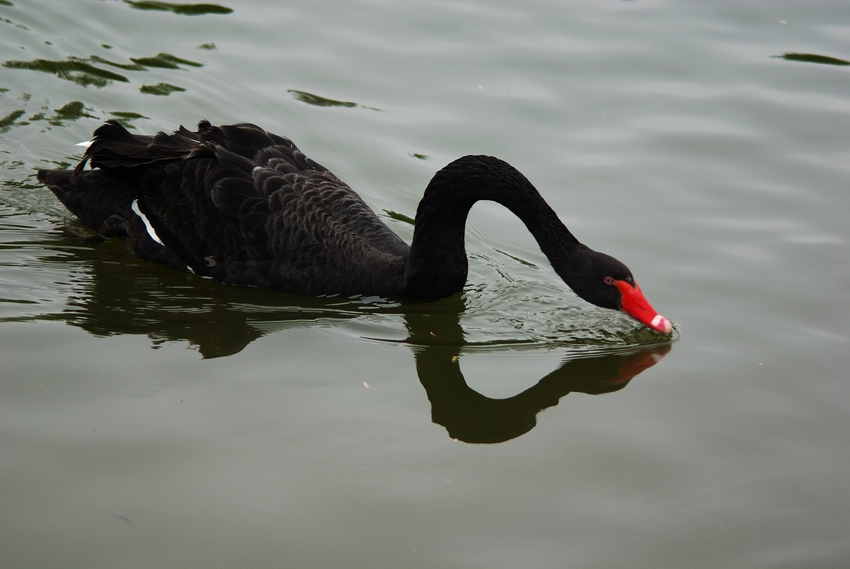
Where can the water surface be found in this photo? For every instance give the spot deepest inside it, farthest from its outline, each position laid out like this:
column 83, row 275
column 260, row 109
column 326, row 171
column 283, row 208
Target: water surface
column 151, row 418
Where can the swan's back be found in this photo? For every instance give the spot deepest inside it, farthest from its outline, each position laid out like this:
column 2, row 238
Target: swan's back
column 234, row 203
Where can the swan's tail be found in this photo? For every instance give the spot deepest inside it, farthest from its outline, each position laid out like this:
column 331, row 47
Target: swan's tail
column 102, row 204
column 107, row 205
column 113, row 146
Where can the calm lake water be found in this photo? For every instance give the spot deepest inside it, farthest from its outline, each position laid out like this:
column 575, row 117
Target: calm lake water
column 149, row 418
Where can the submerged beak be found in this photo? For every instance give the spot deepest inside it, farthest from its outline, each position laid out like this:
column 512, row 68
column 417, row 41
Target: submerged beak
column 636, row 306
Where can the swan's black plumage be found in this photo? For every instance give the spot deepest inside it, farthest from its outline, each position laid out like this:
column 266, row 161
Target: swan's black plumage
column 234, row 203
column 246, row 207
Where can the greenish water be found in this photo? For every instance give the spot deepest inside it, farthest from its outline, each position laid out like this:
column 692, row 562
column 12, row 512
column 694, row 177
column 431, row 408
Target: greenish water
column 153, row 419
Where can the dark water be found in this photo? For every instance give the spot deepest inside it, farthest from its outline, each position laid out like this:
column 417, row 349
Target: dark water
column 151, row 418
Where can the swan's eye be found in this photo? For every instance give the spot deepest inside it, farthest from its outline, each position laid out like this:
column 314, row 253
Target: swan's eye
column 609, row 280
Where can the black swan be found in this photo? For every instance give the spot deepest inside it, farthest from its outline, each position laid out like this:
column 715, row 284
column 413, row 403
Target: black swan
column 246, row 207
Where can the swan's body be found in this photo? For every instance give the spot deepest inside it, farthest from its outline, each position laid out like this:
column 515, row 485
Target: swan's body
column 246, row 207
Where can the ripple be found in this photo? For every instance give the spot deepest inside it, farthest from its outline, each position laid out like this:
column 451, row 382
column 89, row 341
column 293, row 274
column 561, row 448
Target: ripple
column 318, row 101
column 813, row 58
column 162, row 89
column 85, row 72
column 797, row 99
column 184, row 9
column 164, row 60
column 74, row 69
column 691, row 125
column 788, row 230
column 535, row 315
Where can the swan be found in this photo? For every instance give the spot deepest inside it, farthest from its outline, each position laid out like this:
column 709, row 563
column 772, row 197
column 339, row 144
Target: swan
column 246, row 207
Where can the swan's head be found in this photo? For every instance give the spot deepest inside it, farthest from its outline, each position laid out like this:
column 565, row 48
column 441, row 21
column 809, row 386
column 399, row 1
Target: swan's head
column 606, row 282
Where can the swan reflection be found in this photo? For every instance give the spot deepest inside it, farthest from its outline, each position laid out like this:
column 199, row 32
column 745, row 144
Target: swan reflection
column 472, row 417
column 114, row 297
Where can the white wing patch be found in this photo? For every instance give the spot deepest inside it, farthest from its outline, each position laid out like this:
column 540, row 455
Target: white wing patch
column 146, row 221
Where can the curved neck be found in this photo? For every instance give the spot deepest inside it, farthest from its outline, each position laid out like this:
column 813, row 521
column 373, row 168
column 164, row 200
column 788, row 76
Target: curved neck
column 438, row 265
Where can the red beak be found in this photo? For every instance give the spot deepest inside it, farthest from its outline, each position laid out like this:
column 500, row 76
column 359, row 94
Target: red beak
column 636, row 306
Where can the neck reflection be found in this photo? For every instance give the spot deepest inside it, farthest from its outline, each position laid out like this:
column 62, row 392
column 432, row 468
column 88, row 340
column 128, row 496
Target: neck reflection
column 471, row 417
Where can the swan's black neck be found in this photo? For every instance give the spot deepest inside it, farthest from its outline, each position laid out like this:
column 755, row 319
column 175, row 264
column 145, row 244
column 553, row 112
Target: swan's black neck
column 438, row 265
